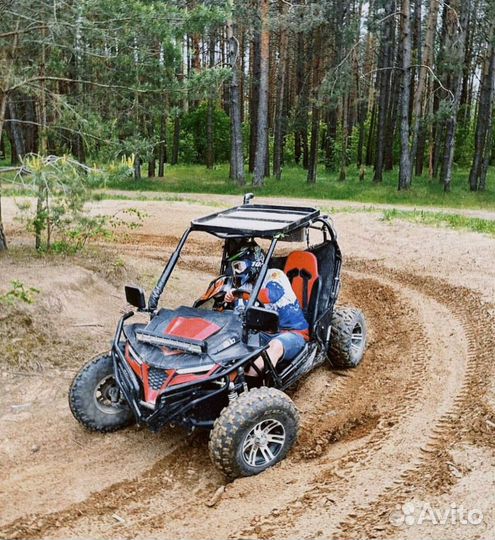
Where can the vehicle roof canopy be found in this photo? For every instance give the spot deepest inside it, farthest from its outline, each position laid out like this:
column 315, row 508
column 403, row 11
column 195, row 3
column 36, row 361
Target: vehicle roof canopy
column 260, row 220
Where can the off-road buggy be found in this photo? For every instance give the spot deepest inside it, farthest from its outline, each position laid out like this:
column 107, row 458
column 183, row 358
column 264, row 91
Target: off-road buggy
column 188, row 365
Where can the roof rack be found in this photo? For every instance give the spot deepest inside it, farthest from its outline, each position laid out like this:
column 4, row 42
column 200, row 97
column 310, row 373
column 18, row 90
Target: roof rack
column 260, row 220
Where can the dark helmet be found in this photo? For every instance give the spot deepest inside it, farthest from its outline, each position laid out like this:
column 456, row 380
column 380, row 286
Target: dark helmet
column 246, row 263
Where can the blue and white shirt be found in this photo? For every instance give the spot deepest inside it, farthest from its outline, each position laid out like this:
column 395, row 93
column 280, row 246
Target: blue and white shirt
column 277, row 294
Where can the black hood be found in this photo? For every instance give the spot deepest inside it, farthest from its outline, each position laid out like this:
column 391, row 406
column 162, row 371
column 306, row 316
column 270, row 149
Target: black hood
column 221, row 331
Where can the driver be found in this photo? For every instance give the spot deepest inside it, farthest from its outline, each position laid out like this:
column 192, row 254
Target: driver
column 276, row 294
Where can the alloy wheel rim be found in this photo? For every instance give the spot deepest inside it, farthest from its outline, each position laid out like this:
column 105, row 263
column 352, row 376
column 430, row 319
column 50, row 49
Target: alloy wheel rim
column 263, row 443
column 357, row 339
column 107, row 396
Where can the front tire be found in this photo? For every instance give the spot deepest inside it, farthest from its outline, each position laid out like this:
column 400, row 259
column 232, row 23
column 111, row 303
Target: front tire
column 348, row 338
column 95, row 399
column 254, row 432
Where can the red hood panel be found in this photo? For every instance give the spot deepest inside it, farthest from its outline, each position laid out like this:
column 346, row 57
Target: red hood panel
column 192, row 328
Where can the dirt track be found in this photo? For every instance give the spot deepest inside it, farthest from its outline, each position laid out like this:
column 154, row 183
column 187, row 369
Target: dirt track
column 416, row 422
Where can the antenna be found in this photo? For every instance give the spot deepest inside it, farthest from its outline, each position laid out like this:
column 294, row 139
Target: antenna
column 247, row 198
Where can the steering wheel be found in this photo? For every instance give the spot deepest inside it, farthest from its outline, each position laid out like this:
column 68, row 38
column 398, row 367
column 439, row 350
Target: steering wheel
column 239, row 292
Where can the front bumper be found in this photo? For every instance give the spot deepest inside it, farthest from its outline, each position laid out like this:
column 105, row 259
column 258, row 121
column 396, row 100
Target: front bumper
column 177, row 403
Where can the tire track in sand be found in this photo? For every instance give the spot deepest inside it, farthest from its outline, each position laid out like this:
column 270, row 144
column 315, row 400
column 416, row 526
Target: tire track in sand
column 323, row 490
column 271, row 488
column 467, row 420
column 374, row 468
column 94, row 515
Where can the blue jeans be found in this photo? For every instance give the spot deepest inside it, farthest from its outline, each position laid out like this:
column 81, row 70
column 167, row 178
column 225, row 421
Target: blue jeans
column 292, row 342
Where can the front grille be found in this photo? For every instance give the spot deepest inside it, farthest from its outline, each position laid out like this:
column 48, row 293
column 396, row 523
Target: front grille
column 156, row 378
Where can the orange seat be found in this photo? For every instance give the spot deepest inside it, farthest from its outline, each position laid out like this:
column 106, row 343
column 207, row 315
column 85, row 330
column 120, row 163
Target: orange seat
column 301, row 268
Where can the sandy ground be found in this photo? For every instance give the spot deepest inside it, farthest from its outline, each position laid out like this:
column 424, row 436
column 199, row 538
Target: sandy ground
column 402, row 446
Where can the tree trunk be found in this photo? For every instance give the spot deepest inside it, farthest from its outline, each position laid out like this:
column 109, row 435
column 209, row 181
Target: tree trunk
column 313, row 150
column 477, row 176
column 393, row 115
column 254, row 97
column 210, row 135
column 152, row 167
column 236, row 154
column 420, row 149
column 465, row 98
column 345, row 138
column 360, row 148
column 369, row 143
column 418, row 130
column 405, row 171
column 315, row 112
column 280, row 120
column 304, row 57
column 487, row 155
column 31, row 132
column 38, row 222
column 330, row 138
column 369, row 64
column 137, row 167
column 43, row 114
column 456, row 26
column 384, row 76
column 241, row 72
column 176, row 140
column 148, row 120
column 4, row 96
column 437, row 127
column 362, row 113
column 162, row 146
column 3, row 239
column 17, row 135
column 3, row 107
column 262, row 132
column 210, row 149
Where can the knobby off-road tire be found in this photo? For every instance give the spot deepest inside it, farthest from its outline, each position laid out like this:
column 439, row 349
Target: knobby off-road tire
column 254, row 432
column 348, row 338
column 95, row 400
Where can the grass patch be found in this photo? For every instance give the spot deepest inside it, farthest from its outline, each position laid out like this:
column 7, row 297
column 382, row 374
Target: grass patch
column 441, row 219
column 103, row 195
column 182, row 179
column 351, row 209
column 424, row 191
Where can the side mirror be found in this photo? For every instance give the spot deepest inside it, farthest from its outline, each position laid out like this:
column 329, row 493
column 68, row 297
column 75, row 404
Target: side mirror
column 135, row 296
column 261, row 319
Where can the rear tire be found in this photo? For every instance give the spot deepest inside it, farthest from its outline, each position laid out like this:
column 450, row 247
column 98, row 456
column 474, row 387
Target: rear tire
column 254, row 432
column 95, row 399
column 348, row 338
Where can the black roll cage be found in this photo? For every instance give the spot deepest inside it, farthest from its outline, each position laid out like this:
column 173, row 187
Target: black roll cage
column 326, row 228
column 176, row 402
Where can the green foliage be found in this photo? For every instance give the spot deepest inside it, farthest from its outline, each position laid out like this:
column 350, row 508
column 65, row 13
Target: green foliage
column 61, row 187
column 19, row 293
column 194, row 126
column 115, row 69
column 188, row 152
column 464, row 148
column 206, row 83
column 135, row 145
column 342, row 153
column 289, row 148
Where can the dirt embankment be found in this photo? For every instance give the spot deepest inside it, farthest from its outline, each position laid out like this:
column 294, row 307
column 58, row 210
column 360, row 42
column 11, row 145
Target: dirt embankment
column 416, row 422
